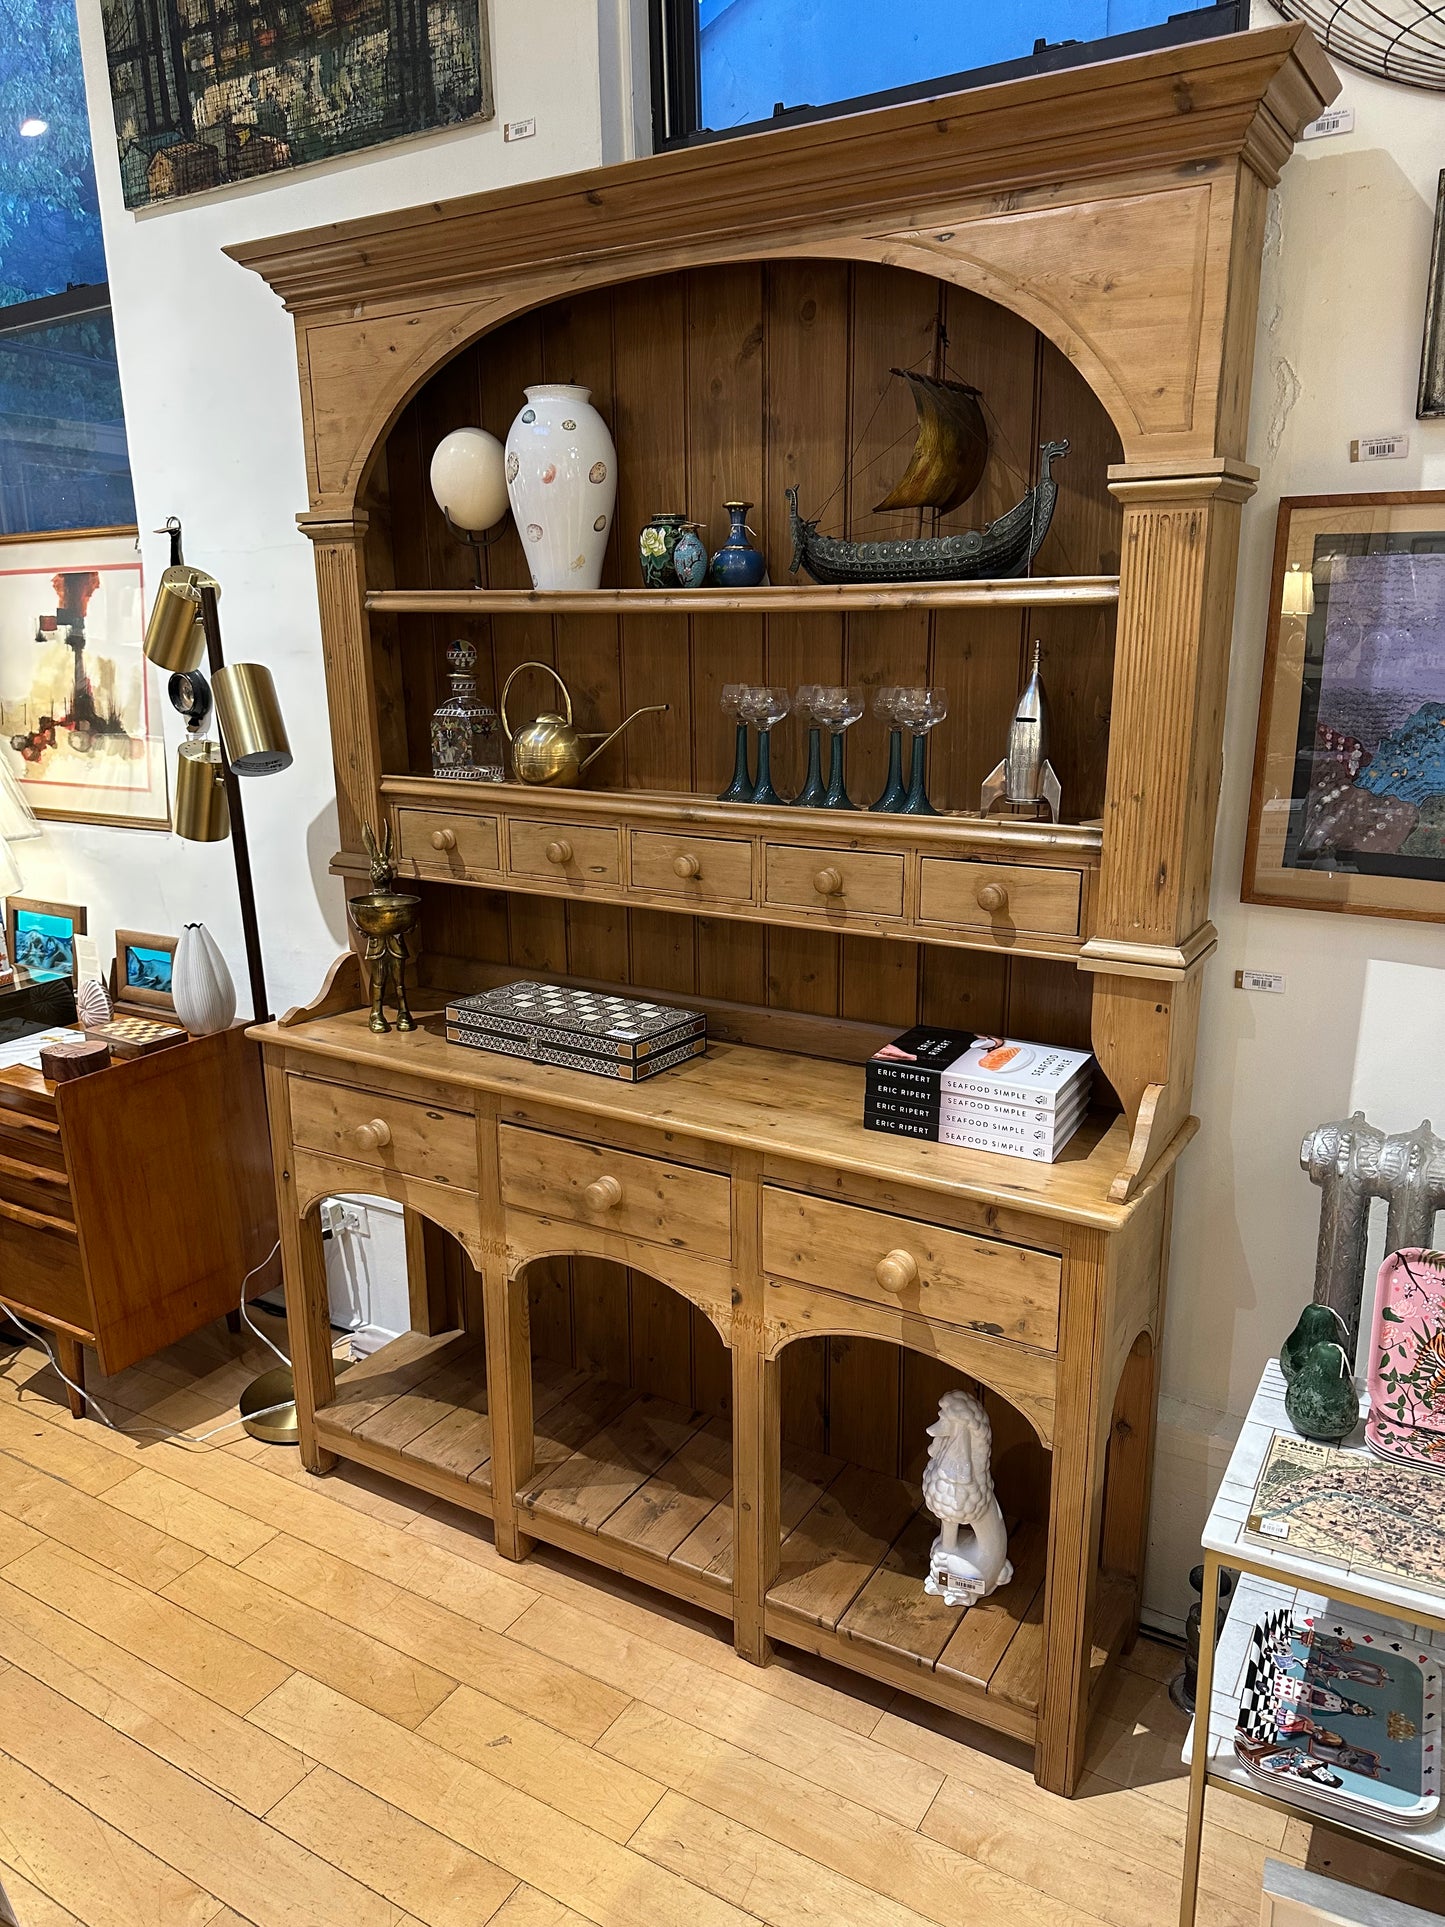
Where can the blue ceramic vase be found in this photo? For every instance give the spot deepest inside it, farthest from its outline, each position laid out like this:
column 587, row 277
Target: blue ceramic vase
column 689, row 558
column 737, row 564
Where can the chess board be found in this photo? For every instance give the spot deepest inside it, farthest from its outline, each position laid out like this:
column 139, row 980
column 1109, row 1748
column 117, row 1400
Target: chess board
column 136, row 1036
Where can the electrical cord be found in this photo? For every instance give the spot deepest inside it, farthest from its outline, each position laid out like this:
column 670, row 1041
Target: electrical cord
column 93, row 1404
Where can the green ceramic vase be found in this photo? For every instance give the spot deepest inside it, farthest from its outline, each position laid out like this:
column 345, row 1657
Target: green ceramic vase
column 1318, row 1325
column 1321, row 1398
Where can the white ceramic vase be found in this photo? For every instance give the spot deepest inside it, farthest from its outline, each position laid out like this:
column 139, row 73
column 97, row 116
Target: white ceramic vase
column 562, row 480
column 201, row 985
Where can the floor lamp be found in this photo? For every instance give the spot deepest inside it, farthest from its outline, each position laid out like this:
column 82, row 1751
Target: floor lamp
column 184, row 627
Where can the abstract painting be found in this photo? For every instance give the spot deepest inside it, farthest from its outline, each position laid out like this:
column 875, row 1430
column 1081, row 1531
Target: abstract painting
column 1349, row 803
column 79, row 706
column 208, row 92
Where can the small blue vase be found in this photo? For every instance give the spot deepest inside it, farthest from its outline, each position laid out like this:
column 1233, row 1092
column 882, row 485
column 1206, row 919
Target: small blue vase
column 689, row 558
column 656, row 544
column 737, row 564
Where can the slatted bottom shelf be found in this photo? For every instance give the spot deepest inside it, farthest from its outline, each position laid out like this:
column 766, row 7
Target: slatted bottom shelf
column 644, row 1486
column 417, row 1408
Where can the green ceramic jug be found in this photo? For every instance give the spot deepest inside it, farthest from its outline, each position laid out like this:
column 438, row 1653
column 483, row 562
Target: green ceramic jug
column 1318, row 1325
column 1321, row 1398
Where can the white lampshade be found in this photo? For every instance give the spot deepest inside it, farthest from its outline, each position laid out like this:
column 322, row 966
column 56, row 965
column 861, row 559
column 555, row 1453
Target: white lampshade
column 1299, row 592
column 10, row 877
column 469, row 478
column 17, row 819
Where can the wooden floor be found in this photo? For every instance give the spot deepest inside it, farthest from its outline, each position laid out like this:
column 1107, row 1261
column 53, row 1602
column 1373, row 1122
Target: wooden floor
column 232, row 1693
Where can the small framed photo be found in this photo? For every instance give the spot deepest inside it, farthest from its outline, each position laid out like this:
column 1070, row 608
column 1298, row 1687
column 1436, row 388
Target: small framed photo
column 1348, row 806
column 144, row 972
column 41, row 938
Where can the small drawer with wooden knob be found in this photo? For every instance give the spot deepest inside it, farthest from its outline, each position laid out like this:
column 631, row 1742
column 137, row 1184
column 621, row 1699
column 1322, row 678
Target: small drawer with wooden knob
column 569, row 853
column 838, row 884
column 389, row 1133
column 651, row 1199
column 704, row 869
column 1005, row 898
column 428, row 844
column 982, row 1285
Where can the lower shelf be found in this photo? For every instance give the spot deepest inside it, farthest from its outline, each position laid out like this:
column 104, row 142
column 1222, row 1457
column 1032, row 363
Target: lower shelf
column 644, row 1487
column 418, row 1409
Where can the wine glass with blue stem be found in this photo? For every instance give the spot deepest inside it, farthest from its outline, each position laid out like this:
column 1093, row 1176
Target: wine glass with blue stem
column 814, row 790
column 885, row 708
column 740, row 789
column 764, row 706
column 920, row 711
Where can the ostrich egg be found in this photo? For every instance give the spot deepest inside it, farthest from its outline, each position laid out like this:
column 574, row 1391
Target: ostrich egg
column 468, row 478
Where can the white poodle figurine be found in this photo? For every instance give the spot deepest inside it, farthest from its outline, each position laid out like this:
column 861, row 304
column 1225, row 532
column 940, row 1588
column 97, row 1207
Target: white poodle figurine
column 958, row 1490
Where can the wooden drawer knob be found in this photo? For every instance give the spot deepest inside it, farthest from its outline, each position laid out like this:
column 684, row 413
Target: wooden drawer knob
column 444, row 839
column 829, row 882
column 559, row 851
column 374, row 1136
column 897, row 1271
column 992, row 897
column 686, row 866
column 603, row 1194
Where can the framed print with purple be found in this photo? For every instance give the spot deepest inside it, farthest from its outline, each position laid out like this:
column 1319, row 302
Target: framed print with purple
column 1348, row 806
column 80, row 707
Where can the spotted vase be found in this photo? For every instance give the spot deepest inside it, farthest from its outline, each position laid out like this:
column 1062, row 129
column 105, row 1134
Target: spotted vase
column 562, row 483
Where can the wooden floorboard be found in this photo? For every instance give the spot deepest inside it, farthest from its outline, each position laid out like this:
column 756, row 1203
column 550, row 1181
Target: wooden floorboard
column 235, row 1696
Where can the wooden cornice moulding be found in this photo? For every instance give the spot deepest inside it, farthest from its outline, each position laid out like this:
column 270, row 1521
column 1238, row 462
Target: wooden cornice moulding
column 1245, row 95
column 1114, row 958
column 1226, row 479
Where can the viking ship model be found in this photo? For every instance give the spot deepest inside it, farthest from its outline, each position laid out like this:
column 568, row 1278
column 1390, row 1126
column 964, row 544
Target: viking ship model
column 948, row 462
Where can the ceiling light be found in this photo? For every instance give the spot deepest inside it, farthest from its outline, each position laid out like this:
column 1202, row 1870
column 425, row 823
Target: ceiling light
column 32, row 125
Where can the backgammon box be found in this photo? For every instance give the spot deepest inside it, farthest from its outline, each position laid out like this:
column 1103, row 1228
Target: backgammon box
column 620, row 1037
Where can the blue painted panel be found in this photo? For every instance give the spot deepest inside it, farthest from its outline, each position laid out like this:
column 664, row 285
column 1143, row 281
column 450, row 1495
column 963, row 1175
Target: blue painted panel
column 49, row 216
column 755, row 53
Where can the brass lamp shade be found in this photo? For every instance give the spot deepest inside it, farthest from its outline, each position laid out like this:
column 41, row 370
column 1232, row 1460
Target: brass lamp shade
column 250, row 719
column 175, row 639
column 202, row 813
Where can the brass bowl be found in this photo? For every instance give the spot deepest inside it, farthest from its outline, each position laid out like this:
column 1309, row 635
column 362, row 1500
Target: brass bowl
column 384, row 913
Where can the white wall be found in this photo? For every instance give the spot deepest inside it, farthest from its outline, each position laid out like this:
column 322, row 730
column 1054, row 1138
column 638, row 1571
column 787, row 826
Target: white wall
column 209, row 379
column 1362, row 1019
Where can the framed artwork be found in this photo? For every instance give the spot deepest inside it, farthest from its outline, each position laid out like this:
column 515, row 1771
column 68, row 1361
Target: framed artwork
column 80, row 707
column 1432, row 352
column 144, row 972
column 1348, row 806
column 41, row 938
column 204, row 96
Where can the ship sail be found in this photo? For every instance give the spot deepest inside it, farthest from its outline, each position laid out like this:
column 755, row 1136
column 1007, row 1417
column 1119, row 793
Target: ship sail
column 951, row 452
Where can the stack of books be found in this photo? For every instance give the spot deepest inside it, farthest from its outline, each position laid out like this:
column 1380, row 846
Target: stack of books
column 581, row 1030
column 983, row 1093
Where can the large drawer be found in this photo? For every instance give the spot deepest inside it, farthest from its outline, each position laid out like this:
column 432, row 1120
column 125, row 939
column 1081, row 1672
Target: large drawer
column 40, row 1269
column 389, row 1133
column 1002, row 897
column 646, row 1198
column 448, row 843
column 999, row 1290
column 701, row 869
column 836, row 883
column 566, row 852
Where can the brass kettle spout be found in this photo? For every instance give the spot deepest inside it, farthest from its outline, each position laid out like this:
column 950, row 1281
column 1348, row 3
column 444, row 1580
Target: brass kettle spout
column 548, row 751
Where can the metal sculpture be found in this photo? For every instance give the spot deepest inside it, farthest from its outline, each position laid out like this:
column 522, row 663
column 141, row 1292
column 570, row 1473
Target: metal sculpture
column 1353, row 1163
column 1004, row 548
column 1024, row 782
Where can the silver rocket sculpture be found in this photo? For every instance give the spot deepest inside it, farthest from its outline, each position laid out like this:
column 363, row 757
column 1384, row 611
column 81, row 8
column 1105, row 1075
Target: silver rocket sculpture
column 1025, row 778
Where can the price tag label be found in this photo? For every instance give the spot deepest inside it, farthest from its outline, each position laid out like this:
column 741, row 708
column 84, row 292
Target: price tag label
column 1334, row 120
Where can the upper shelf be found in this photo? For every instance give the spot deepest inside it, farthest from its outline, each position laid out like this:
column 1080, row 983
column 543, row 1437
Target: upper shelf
column 1015, row 593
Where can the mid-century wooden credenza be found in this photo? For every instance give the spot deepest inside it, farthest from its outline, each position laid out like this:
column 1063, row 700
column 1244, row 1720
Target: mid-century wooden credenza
column 134, row 1201
column 695, row 1329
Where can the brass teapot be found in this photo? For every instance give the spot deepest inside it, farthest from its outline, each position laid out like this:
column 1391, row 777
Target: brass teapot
column 549, row 750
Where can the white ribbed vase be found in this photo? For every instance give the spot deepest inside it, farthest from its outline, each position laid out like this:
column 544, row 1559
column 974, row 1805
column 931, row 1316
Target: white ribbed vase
column 562, row 480
column 205, row 997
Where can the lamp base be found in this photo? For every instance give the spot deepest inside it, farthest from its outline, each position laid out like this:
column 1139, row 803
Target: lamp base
column 274, row 1388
